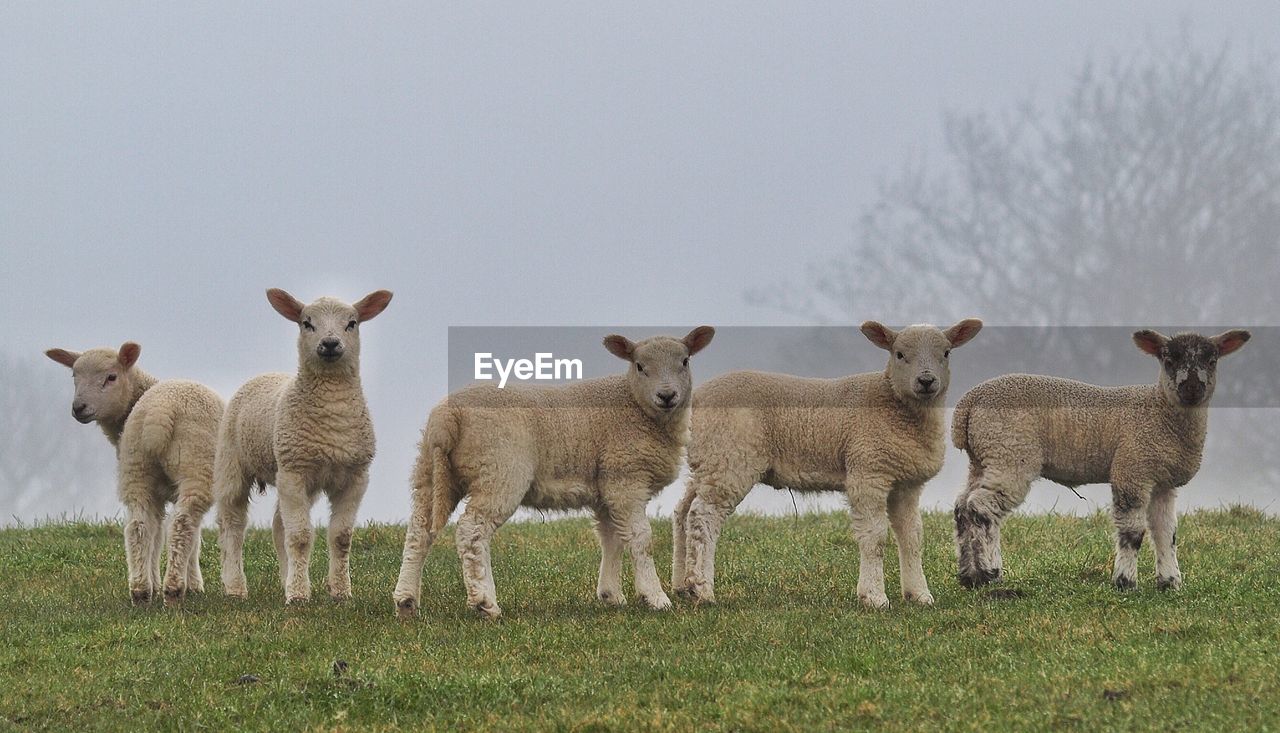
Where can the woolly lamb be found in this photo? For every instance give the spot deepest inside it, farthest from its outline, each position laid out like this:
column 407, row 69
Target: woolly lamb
column 305, row 433
column 1145, row 440
column 607, row 444
column 878, row 437
column 163, row 433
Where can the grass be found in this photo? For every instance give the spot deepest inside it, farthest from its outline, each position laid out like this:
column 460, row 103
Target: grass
column 787, row 648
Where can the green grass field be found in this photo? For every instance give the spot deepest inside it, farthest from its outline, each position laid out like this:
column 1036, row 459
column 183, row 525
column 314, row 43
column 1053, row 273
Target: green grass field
column 787, row 648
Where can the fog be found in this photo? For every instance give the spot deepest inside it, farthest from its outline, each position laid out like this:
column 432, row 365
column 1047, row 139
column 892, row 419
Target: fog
column 549, row 164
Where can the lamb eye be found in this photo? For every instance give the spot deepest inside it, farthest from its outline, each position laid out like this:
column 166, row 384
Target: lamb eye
column 640, row 367
column 307, row 325
column 111, row 377
column 686, row 361
column 900, row 356
column 351, row 325
column 946, row 353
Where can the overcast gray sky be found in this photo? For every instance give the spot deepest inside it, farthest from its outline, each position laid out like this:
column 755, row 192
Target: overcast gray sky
column 493, row 164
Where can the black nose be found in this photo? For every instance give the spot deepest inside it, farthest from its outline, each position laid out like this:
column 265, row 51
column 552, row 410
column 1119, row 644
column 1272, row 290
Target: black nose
column 78, row 409
column 330, row 344
column 667, row 397
column 926, row 380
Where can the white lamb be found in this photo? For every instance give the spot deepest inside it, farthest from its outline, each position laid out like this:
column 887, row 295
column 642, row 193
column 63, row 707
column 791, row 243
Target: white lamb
column 164, row 434
column 606, row 444
column 877, row 437
column 305, row 433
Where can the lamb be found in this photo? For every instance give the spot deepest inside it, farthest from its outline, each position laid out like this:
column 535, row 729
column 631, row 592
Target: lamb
column 606, row 444
column 878, row 437
column 163, row 433
column 305, row 433
column 1145, row 440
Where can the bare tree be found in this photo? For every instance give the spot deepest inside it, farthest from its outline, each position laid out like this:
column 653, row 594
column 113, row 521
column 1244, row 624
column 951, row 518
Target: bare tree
column 49, row 464
column 1148, row 194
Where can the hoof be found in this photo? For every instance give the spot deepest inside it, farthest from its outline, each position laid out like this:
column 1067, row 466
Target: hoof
column 235, row 591
column 406, row 608
column 877, row 602
column 486, row 610
column 659, row 602
column 611, row 598
column 1124, row 582
column 684, row 593
column 1171, row 583
column 924, row 599
column 296, row 600
column 140, row 597
column 979, row 578
column 173, row 597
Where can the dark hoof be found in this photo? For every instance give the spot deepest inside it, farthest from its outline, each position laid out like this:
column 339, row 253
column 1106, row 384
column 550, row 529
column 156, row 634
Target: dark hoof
column 140, row 597
column 979, row 578
column 406, row 609
column 1125, row 583
column 684, row 593
column 1168, row 583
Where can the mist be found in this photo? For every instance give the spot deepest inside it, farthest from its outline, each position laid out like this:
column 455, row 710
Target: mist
column 563, row 165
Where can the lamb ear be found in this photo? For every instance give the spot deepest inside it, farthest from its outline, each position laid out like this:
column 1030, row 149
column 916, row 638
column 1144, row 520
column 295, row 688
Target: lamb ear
column 619, row 346
column 368, row 307
column 961, row 333
column 1151, row 342
column 128, row 354
column 879, row 334
column 697, row 339
column 1229, row 341
column 63, row 357
column 285, row 304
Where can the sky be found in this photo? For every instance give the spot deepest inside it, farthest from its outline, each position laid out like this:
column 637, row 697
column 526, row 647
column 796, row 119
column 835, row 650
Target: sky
column 587, row 164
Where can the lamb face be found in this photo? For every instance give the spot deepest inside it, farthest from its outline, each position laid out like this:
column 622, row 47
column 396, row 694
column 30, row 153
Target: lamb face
column 659, row 375
column 1189, row 362
column 329, row 329
column 919, row 356
column 102, row 379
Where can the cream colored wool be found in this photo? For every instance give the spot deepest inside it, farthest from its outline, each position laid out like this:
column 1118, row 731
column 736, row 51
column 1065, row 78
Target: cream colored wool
column 877, row 437
column 606, row 444
column 164, row 434
column 1146, row 441
column 306, row 434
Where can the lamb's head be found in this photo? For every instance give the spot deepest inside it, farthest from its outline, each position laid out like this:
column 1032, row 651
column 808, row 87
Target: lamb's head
column 104, row 381
column 920, row 356
column 659, row 375
column 329, row 329
column 1189, row 362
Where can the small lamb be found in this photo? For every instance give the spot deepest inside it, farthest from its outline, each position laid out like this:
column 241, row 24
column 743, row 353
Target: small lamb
column 164, row 434
column 1145, row 440
column 877, row 437
column 606, row 444
column 305, row 433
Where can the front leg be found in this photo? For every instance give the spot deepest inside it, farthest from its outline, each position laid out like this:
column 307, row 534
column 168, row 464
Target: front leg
column 609, row 584
column 342, row 519
column 908, row 530
column 868, row 509
column 294, row 505
column 627, row 505
column 1129, row 509
column 1162, row 516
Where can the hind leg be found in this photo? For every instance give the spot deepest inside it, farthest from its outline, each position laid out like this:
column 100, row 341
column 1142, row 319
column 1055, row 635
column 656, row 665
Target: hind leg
column 418, row 538
column 679, row 547
column 193, row 502
column 277, row 538
column 1162, row 516
column 231, row 490
column 979, row 514
column 493, row 500
column 715, row 498
column 908, row 530
column 195, row 579
column 143, row 526
column 609, row 583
